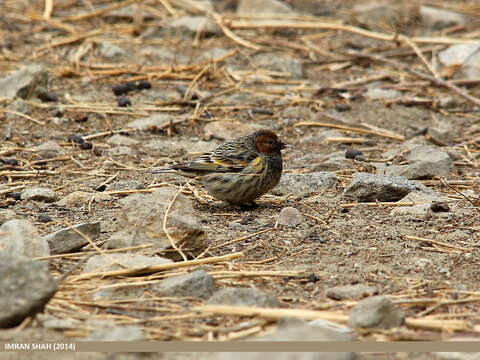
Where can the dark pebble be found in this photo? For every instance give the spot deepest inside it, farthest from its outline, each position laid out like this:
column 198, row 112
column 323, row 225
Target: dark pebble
column 86, row 146
column 44, row 218
column 101, row 188
column 11, row 161
column 352, row 153
column 77, row 139
column 48, row 97
column 124, row 101
column 14, row 195
column 124, row 88
column 144, row 84
column 79, row 118
column 438, row 206
column 343, row 107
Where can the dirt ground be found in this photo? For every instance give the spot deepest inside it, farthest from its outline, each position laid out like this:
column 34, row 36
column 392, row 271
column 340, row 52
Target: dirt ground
column 334, row 245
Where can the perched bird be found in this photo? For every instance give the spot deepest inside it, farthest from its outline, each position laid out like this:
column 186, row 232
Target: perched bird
column 238, row 171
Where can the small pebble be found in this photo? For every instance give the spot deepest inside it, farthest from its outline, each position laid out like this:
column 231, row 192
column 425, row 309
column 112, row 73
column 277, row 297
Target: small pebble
column 352, row 153
column 144, row 84
column 77, row 139
column 123, row 101
column 48, row 97
column 45, row 218
column 124, row 88
column 86, row 145
column 10, row 161
column 438, row 206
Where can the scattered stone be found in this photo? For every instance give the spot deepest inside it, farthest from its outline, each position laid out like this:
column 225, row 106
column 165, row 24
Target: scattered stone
column 420, row 210
column 263, row 7
column 244, row 297
column 152, row 123
column 379, row 16
column 69, row 240
column 25, row 288
column 426, row 163
column 52, row 322
column 227, row 129
column 466, row 56
column 352, row 153
column 447, row 102
column 18, row 105
column 356, row 291
column 376, row 312
column 337, row 328
column 443, row 132
column 78, row 198
column 332, row 162
column 7, row 215
column 126, row 185
column 271, row 62
column 382, row 94
column 289, row 216
column 423, row 263
column 197, row 283
column 123, row 101
column 110, row 51
column 196, row 24
column 299, row 332
column 39, row 194
column 25, row 82
column 108, row 331
column 49, row 150
column 122, row 261
column 124, row 88
column 305, row 183
column 122, row 151
column 437, row 19
column 121, row 140
column 45, row 218
column 141, row 221
column 19, row 237
column 366, row 187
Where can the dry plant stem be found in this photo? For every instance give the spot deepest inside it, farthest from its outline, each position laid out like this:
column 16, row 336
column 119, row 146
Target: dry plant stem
column 458, row 192
column 272, row 313
column 242, row 238
column 438, row 82
column 9, row 190
column 386, row 204
column 130, row 248
column 157, row 268
column 415, row 238
column 38, row 122
column 417, row 50
column 98, row 12
column 107, row 133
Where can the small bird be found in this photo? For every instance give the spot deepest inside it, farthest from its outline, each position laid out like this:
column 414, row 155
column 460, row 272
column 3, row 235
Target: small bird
column 239, row 170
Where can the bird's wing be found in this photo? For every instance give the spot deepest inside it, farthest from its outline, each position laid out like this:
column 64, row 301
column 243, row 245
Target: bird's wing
column 219, row 162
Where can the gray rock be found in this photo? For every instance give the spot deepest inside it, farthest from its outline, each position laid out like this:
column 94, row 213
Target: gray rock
column 272, row 62
column 426, row 163
column 25, row 288
column 78, row 198
column 295, row 331
column 122, row 151
column 366, row 187
column 68, row 240
column 126, row 185
column 153, row 122
column 39, row 194
column 18, row 105
column 141, row 222
column 467, row 56
column 376, row 16
column 52, row 322
column 122, row 261
column 382, row 94
column 243, row 297
column 7, row 215
column 108, row 331
column 110, row 51
column 197, row 283
column 332, row 162
column 289, row 216
column 376, row 312
column 121, row 140
column 443, row 131
column 195, row 24
column 297, row 112
column 19, row 237
column 173, row 146
column 420, row 210
column 227, row 129
column 263, row 7
column 438, row 19
column 50, row 149
column 25, row 82
column 356, row 291
column 305, row 183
